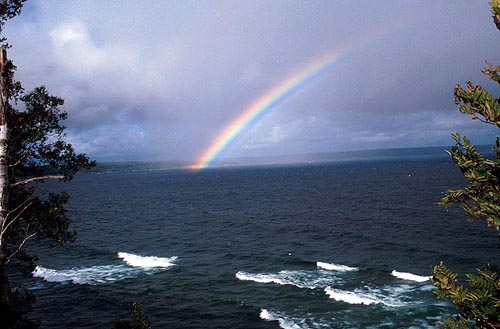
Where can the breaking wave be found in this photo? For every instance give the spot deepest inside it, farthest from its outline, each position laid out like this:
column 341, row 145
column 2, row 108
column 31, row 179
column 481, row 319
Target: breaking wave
column 93, row 275
column 87, row 275
column 147, row 261
column 410, row 276
column 335, row 267
column 300, row 279
column 387, row 296
column 284, row 322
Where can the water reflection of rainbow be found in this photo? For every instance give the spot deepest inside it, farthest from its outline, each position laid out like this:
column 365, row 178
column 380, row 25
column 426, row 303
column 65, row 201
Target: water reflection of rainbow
column 264, row 103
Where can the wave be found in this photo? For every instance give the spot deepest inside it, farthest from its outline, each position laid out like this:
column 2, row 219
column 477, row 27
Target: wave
column 87, row 275
column 107, row 273
column 410, row 276
column 335, row 267
column 147, row 261
column 369, row 297
column 300, row 279
column 284, row 322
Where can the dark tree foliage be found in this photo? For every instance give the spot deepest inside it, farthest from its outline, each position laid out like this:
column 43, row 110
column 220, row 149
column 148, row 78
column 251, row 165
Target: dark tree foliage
column 9, row 9
column 36, row 152
column 478, row 300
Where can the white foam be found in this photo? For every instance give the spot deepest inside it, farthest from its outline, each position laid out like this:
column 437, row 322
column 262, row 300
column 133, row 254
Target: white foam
column 106, row 273
column 350, row 297
column 410, row 276
column 259, row 278
column 363, row 297
column 88, row 275
column 284, row 322
column 300, row 279
column 335, row 267
column 147, row 261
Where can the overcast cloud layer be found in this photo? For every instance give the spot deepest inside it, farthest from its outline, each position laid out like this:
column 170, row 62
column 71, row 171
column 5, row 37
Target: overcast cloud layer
column 158, row 80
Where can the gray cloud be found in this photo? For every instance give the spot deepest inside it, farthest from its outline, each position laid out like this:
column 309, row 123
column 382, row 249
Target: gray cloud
column 160, row 80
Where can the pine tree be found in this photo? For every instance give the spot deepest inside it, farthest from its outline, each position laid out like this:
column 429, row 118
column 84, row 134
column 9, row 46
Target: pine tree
column 478, row 301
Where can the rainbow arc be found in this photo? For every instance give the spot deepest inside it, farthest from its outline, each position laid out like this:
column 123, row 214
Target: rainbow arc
column 262, row 105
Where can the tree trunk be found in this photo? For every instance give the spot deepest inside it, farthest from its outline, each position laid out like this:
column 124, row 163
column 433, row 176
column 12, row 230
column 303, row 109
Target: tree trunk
column 4, row 180
column 9, row 316
column 6, row 299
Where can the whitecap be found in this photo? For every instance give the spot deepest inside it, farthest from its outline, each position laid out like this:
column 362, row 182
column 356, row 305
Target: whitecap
column 106, row 273
column 359, row 296
column 259, row 278
column 284, row 322
column 298, row 320
column 335, row 267
column 147, row 261
column 300, row 279
column 87, row 275
column 350, row 297
column 410, row 276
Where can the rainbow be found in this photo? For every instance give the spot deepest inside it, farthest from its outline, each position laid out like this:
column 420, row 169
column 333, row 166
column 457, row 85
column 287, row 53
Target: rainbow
column 264, row 103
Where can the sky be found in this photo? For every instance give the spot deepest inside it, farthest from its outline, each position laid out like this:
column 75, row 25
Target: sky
column 161, row 80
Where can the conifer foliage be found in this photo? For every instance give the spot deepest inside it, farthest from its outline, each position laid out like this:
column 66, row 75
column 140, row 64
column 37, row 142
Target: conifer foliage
column 478, row 301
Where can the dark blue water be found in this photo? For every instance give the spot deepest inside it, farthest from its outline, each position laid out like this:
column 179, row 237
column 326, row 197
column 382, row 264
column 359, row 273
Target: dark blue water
column 238, row 247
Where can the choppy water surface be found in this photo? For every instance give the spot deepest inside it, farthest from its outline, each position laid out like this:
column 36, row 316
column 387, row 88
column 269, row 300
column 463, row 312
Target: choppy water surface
column 342, row 245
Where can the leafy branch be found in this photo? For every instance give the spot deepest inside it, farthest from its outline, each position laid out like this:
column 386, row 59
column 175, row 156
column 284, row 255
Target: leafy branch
column 478, row 301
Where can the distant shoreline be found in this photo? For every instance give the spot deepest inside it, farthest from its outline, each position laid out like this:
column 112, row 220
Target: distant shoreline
column 295, row 159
